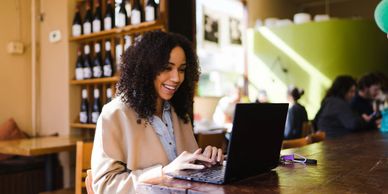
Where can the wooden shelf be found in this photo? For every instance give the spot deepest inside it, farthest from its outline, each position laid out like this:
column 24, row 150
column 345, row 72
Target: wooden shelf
column 95, row 81
column 83, row 126
column 130, row 29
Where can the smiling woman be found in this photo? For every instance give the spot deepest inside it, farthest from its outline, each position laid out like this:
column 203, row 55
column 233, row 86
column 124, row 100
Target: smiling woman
column 146, row 130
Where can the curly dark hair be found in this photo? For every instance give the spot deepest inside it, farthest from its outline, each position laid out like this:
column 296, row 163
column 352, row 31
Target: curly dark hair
column 143, row 61
column 340, row 86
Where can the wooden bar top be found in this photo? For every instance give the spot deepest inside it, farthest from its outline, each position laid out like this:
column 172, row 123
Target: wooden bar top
column 38, row 146
column 357, row 163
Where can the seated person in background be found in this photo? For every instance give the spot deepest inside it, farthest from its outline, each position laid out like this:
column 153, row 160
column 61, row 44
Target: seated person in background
column 146, row 130
column 262, row 97
column 369, row 87
column 296, row 115
column 226, row 105
column 335, row 116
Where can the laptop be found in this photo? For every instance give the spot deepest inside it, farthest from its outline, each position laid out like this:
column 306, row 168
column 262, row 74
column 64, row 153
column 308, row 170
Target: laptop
column 254, row 147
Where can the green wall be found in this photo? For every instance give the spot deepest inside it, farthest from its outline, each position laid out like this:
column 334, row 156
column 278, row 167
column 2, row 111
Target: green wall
column 329, row 48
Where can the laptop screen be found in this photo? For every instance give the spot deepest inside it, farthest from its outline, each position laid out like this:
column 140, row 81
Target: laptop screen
column 256, row 139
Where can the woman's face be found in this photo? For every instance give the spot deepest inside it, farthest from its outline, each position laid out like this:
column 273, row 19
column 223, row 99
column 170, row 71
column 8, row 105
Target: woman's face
column 168, row 80
column 350, row 94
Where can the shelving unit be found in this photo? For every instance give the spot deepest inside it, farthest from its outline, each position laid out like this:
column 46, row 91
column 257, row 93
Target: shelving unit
column 116, row 37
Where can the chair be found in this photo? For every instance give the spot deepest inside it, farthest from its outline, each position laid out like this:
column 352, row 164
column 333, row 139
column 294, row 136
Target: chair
column 318, row 136
column 294, row 143
column 84, row 154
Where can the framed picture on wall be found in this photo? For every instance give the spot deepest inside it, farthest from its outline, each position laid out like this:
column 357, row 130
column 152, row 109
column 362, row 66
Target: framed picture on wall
column 220, row 45
column 211, row 29
column 235, row 31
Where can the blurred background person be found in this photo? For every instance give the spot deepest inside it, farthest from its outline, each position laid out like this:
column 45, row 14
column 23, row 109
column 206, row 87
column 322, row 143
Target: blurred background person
column 296, row 115
column 369, row 88
column 262, row 97
column 335, row 116
column 226, row 105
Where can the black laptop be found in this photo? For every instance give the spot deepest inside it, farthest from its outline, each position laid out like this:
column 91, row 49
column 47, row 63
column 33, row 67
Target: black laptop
column 254, row 146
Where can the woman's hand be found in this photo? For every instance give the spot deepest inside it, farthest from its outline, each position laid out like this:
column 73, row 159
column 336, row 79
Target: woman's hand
column 186, row 161
column 214, row 154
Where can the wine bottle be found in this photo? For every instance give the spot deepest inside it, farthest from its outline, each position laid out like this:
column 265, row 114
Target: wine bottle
column 97, row 18
column 151, row 11
column 87, row 63
column 108, row 93
column 96, row 105
column 84, row 112
column 136, row 13
column 109, row 19
column 128, row 8
column 77, row 23
column 119, row 52
column 97, row 61
column 108, row 62
column 127, row 42
column 122, row 15
column 87, row 25
column 79, row 66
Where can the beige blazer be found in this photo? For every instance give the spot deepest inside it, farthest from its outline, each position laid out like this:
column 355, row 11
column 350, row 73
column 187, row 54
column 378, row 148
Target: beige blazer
column 125, row 152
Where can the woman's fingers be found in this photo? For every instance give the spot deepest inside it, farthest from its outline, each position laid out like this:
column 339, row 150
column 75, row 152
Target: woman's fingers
column 220, row 156
column 208, row 151
column 193, row 166
column 214, row 155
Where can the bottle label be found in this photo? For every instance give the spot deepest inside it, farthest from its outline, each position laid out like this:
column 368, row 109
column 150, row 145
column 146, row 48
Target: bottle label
column 107, row 71
column 83, row 117
column 149, row 13
column 87, row 73
column 87, row 27
column 107, row 23
column 109, row 93
column 96, row 25
column 97, row 71
column 135, row 17
column 121, row 20
column 95, row 116
column 79, row 73
column 119, row 51
column 76, row 30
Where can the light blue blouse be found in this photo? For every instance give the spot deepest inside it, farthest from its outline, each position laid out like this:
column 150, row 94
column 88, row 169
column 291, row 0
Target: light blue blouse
column 163, row 127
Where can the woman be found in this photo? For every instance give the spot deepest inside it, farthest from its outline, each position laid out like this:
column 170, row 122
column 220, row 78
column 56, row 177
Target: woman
column 335, row 116
column 146, row 130
column 296, row 115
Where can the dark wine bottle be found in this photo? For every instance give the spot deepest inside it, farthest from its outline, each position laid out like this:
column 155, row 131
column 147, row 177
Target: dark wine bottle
column 151, row 11
column 108, row 93
column 84, row 112
column 122, row 16
column 97, row 61
column 96, row 110
column 136, row 13
column 87, row 63
column 97, row 17
column 77, row 23
column 79, row 66
column 108, row 62
column 128, row 8
column 88, row 19
column 109, row 19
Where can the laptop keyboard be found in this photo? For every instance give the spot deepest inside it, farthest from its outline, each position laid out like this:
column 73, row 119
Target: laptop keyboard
column 212, row 174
